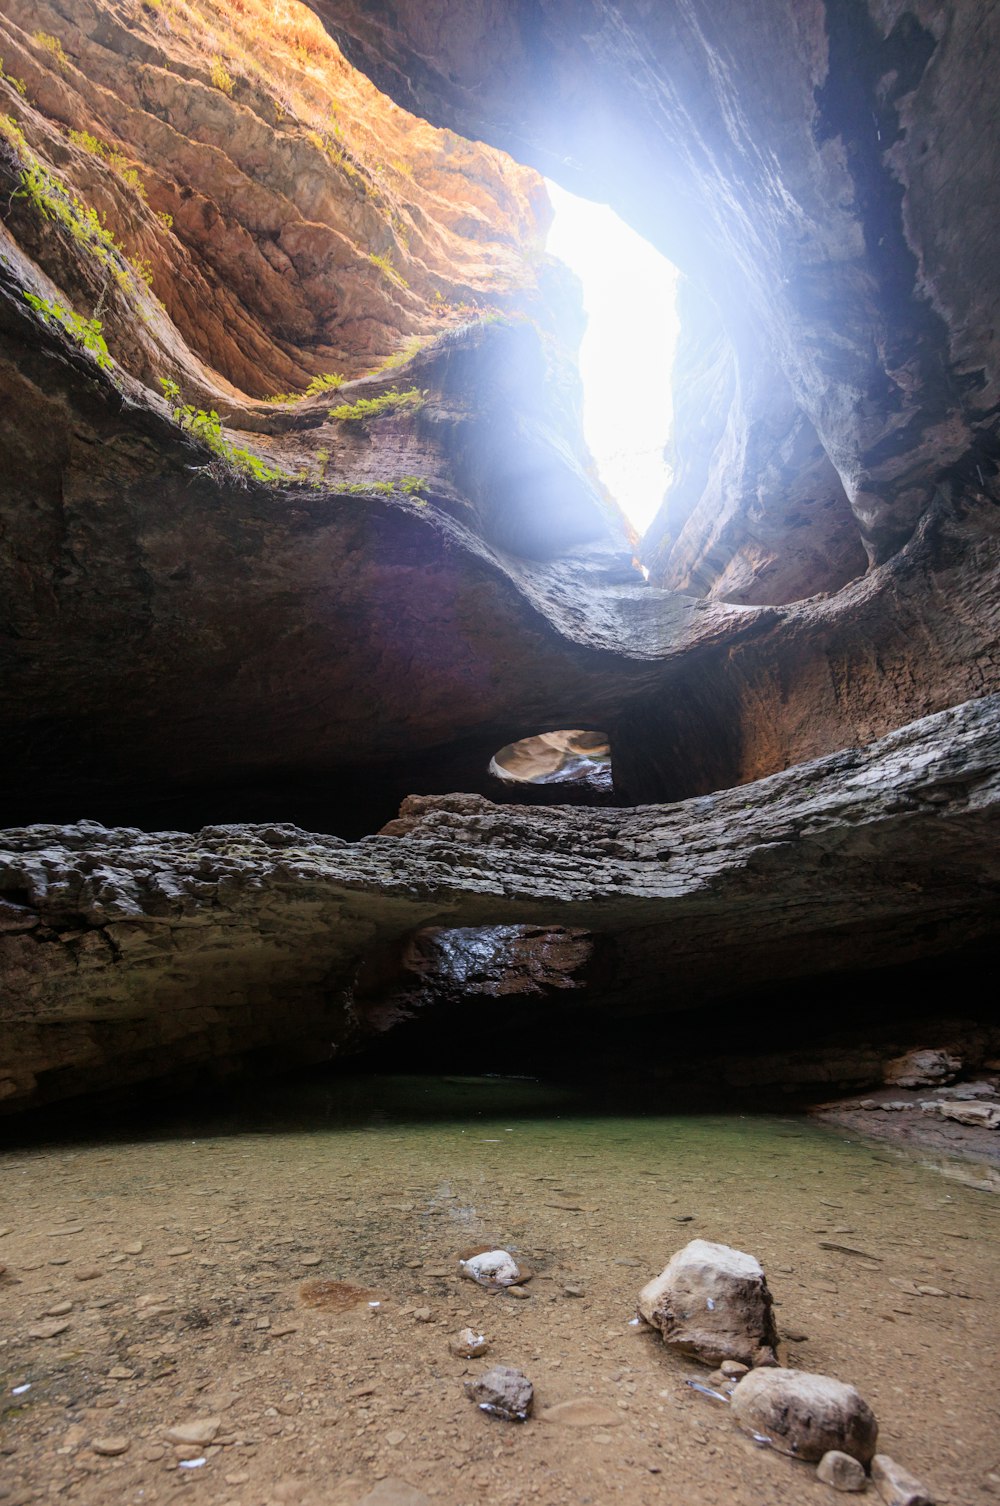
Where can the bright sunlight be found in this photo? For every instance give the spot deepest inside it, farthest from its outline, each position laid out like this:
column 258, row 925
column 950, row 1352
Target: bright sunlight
column 627, row 353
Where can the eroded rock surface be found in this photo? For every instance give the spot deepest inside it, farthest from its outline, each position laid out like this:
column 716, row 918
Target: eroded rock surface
column 804, row 162
column 129, row 956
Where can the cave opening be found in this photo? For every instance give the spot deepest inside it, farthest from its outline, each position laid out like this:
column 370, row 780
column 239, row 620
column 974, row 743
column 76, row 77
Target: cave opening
column 626, row 359
column 569, row 757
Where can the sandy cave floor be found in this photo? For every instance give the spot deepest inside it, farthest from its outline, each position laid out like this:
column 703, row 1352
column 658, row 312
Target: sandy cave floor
column 170, row 1271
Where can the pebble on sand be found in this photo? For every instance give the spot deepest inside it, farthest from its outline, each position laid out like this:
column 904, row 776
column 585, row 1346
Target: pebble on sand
column 199, row 1430
column 109, row 1446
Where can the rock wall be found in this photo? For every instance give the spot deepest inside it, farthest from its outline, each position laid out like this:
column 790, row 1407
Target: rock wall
column 128, row 956
column 229, row 598
column 824, row 172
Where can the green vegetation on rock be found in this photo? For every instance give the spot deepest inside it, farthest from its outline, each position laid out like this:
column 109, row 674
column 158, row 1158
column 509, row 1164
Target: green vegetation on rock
column 368, row 408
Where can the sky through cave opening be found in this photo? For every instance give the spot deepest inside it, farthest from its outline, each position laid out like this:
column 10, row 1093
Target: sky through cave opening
column 627, row 351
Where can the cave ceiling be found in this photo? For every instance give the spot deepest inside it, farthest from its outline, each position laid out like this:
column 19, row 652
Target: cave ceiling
column 297, row 517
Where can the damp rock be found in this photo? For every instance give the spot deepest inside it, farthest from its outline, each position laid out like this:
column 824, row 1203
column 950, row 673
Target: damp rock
column 841, row 1471
column 492, row 1268
column 805, row 1415
column 502, row 1392
column 896, row 1485
column 713, row 1302
column 467, row 1344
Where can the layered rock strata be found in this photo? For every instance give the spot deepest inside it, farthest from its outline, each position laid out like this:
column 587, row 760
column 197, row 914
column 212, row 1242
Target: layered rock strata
column 129, row 956
column 824, row 174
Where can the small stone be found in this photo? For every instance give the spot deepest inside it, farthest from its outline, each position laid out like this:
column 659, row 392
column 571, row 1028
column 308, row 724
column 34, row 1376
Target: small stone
column 120, row 1372
column 59, row 1309
column 64, row 1229
column 110, row 1446
column 395, row 1438
column 312, row 1259
column 238, row 1477
column 180, row 1250
column 805, row 1415
column 133, row 1247
column 88, row 1273
column 48, row 1330
column 896, row 1485
column 502, row 1392
column 467, row 1344
column 841, row 1471
column 423, row 1314
column 518, row 1292
column 199, row 1430
column 574, row 1291
column 733, row 1370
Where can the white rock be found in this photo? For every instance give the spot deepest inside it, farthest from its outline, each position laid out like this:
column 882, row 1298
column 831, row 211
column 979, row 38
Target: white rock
column 491, row 1268
column 712, row 1301
column 805, row 1415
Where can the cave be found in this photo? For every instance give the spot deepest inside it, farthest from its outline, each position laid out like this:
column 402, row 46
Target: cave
column 402, row 847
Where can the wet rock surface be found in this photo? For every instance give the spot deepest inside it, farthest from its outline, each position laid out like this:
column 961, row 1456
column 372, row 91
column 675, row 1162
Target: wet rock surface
column 805, row 1415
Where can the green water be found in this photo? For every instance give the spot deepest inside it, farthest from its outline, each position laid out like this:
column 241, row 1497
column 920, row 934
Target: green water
column 385, row 1181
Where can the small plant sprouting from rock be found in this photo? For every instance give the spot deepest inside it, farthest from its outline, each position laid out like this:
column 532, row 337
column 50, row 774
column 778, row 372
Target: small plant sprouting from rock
column 52, row 200
column 367, row 408
column 327, row 381
column 86, row 332
column 238, row 463
column 54, row 48
column 115, row 159
column 387, row 269
column 221, row 77
column 15, row 83
column 413, row 486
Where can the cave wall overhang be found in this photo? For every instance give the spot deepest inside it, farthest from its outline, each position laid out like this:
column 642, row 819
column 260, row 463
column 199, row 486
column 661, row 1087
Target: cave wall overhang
column 826, row 173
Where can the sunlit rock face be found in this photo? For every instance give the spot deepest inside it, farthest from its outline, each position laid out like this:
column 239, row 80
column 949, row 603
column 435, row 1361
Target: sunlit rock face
column 292, row 219
column 825, row 174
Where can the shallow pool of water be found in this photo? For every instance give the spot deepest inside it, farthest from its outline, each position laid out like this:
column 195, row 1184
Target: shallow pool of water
column 184, row 1249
